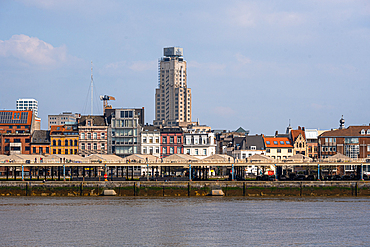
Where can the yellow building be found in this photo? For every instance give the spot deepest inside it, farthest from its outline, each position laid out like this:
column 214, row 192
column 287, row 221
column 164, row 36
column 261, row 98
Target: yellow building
column 64, row 139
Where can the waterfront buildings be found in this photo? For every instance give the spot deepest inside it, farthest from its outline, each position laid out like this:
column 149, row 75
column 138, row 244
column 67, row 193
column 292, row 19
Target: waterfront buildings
column 200, row 144
column 124, row 127
column 278, row 147
column 172, row 97
column 64, row 139
column 28, row 104
column 62, row 118
column 93, row 135
column 16, row 128
column 172, row 140
column 298, row 139
column 248, row 146
column 150, row 140
column 40, row 142
column 312, row 143
column 353, row 142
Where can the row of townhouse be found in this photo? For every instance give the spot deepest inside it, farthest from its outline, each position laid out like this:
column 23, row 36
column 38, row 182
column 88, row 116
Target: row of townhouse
column 119, row 131
column 240, row 145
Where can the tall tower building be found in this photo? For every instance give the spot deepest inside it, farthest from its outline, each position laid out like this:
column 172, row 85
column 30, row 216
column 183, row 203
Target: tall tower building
column 28, row 104
column 172, row 97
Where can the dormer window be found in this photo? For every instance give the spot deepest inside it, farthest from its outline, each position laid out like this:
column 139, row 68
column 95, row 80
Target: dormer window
column 368, row 132
column 89, row 123
column 363, row 132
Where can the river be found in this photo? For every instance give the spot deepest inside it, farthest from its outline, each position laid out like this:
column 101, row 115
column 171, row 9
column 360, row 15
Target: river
column 183, row 221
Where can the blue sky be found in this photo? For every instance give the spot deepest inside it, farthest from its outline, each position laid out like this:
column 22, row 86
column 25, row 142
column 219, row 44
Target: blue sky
column 254, row 64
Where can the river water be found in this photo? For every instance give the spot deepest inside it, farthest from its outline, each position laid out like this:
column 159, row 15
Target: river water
column 183, row 221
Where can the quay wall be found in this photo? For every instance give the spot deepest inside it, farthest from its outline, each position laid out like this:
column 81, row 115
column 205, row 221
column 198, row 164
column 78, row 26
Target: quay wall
column 177, row 188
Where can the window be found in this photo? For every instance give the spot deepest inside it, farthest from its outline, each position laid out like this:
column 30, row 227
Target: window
column 89, row 146
column 47, row 150
column 59, row 143
column 34, row 150
column 88, row 135
column 179, row 150
column 275, row 142
column 164, row 139
column 187, row 151
column 253, row 147
column 54, row 151
column 287, row 142
column 66, row 151
column 150, row 139
column 65, row 142
column 144, row 150
column 204, row 151
column 179, row 139
column 289, row 150
column 82, row 136
column 279, row 150
column 83, row 146
column 103, row 146
column 144, row 139
column 363, row 132
column 102, row 135
column 75, row 143
column 157, row 140
column 282, row 142
column 267, row 150
column 95, row 135
column 70, row 143
column 171, row 139
column 95, row 146
column 164, row 150
column 59, row 151
column 196, row 151
column 171, row 150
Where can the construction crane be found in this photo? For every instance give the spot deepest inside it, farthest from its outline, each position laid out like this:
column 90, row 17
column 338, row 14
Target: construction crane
column 105, row 99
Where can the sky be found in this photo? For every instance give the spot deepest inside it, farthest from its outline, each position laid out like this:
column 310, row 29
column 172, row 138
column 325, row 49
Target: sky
column 254, row 64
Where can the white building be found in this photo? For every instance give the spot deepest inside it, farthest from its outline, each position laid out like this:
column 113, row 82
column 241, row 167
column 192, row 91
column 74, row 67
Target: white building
column 199, row 144
column 62, row 118
column 150, row 141
column 28, row 104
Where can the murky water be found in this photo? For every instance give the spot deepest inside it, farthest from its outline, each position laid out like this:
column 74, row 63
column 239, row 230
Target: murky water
column 115, row 221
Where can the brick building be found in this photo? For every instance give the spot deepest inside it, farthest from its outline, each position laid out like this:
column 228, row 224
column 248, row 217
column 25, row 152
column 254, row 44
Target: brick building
column 16, row 128
column 172, row 140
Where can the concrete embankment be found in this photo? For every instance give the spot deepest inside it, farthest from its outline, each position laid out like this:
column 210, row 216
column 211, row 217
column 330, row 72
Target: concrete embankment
column 136, row 188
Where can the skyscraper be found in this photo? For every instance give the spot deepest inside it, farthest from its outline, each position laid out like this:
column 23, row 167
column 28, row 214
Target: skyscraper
column 28, row 104
column 172, row 97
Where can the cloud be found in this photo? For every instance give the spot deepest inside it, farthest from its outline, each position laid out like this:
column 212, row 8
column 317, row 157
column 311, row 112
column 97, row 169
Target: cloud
column 32, row 51
column 143, row 65
column 206, row 66
column 223, row 111
column 242, row 59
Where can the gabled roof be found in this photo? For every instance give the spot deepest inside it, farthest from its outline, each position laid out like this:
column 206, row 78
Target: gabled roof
column 350, row 131
column 180, row 158
column 281, row 142
column 296, row 133
column 338, row 157
column 219, row 158
column 241, row 130
column 298, row 157
column 260, row 158
column 140, row 158
column 103, row 157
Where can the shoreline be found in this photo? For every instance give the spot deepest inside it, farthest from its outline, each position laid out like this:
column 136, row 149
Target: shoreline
column 185, row 188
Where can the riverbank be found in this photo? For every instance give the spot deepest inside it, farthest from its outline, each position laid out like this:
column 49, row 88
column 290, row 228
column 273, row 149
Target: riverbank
column 154, row 188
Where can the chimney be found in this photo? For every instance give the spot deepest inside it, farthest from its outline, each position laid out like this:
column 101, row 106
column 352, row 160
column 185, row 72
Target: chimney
column 276, row 133
column 303, row 128
column 299, row 128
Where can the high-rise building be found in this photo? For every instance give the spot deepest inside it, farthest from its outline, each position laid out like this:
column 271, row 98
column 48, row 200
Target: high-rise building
column 28, row 104
column 172, row 97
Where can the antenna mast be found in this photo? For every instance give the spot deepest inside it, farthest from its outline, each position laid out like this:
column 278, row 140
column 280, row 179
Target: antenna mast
column 92, row 90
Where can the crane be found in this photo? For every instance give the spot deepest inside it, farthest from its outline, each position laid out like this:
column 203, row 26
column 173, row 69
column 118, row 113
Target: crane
column 105, row 99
